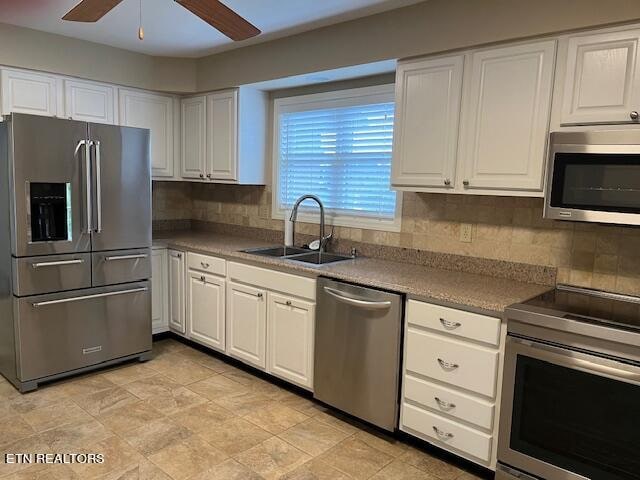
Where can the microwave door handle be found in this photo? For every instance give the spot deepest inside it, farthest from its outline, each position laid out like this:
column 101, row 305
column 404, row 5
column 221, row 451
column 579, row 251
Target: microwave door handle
column 98, row 161
column 86, row 160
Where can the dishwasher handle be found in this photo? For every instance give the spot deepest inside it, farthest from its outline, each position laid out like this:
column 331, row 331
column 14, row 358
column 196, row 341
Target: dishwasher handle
column 358, row 302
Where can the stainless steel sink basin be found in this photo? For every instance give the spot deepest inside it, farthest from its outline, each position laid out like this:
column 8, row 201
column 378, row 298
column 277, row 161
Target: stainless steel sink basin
column 317, row 258
column 277, row 251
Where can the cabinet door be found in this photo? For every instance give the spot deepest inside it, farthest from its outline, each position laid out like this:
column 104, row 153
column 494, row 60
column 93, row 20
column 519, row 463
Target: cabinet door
column 291, row 337
column 206, row 309
column 222, row 135
column 193, row 137
column 428, row 94
column 601, row 83
column 506, row 117
column 155, row 112
column 28, row 92
column 176, row 292
column 246, row 324
column 159, row 291
column 90, row 102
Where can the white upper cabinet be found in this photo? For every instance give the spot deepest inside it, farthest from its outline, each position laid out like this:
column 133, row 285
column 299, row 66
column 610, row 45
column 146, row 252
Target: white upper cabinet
column 90, row 102
column 193, row 118
column 602, row 79
column 222, row 135
column 206, row 309
column 428, row 94
column 155, row 112
column 31, row 92
column 506, row 117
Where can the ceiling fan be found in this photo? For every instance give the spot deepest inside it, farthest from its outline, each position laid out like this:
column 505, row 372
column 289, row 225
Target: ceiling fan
column 214, row 12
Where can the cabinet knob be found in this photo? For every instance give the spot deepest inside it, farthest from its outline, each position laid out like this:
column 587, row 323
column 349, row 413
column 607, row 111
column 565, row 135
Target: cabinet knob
column 208, row 175
column 202, row 279
column 465, row 183
column 447, row 182
column 634, row 115
column 202, row 175
column 259, row 295
column 288, row 302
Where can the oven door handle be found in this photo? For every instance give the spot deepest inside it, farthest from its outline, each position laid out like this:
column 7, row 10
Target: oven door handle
column 570, row 359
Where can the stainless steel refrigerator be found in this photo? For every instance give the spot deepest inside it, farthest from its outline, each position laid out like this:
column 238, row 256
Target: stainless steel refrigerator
column 75, row 239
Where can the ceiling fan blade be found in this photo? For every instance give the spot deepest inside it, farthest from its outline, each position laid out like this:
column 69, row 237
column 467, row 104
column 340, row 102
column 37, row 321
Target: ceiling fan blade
column 221, row 17
column 90, row 10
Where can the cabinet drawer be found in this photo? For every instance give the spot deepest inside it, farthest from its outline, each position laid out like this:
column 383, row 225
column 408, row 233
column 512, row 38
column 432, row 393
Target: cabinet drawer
column 446, row 433
column 454, row 322
column 205, row 263
column 453, row 362
column 53, row 273
column 449, row 401
column 110, row 268
column 295, row 285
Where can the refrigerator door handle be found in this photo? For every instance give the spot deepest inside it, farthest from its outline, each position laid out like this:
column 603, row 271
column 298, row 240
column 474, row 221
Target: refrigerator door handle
column 98, row 160
column 87, row 163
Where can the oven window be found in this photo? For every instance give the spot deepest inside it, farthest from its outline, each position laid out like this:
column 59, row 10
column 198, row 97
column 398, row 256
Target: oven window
column 592, row 181
column 577, row 421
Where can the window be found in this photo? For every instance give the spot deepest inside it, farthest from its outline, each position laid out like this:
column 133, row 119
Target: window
column 337, row 145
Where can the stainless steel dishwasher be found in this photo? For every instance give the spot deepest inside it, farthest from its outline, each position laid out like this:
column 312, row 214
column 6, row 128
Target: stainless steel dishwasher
column 357, row 351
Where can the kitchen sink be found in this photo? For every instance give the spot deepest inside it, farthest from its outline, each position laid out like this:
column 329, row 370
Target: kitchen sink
column 317, row 258
column 277, row 251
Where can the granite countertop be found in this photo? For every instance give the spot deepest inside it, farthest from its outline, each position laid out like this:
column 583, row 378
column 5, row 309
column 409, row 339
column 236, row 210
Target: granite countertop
column 470, row 290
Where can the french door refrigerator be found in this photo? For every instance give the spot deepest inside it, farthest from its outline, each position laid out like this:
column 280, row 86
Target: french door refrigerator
column 75, row 239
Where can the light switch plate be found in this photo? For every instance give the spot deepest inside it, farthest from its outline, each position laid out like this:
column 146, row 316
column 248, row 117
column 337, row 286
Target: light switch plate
column 466, row 232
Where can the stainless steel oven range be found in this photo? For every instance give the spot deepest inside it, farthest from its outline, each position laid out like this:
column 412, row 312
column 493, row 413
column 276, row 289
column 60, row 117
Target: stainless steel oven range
column 571, row 388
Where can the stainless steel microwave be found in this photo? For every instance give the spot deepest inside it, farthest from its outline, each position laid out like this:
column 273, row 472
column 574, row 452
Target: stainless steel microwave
column 594, row 176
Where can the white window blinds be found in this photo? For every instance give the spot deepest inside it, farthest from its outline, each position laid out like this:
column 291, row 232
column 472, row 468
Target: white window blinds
column 342, row 154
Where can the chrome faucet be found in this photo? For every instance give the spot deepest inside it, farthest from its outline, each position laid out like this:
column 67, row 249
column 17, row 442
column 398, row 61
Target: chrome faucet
column 294, row 215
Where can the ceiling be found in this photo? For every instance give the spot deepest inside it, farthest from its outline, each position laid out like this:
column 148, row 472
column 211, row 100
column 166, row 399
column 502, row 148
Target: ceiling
column 171, row 30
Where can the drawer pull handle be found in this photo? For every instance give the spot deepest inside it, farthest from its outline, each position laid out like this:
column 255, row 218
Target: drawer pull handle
column 449, row 324
column 443, row 435
column 125, row 257
column 89, row 297
column 445, row 405
column 57, row 264
column 204, row 265
column 448, row 365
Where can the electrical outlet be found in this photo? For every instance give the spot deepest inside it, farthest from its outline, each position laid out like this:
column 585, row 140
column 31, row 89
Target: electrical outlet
column 466, row 232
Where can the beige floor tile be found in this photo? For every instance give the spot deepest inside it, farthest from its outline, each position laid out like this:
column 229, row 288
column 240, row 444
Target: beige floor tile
column 118, row 455
column 175, row 401
column 7, row 391
column 32, row 444
column 6, row 410
column 398, row 470
column 228, row 470
column 272, row 458
column 244, row 403
column 155, row 436
column 75, row 435
column 276, row 418
column 235, row 435
column 432, row 465
column 302, row 404
column 256, row 384
column 313, row 437
column 104, row 401
column 382, row 442
column 356, row 458
column 206, row 360
column 315, row 470
column 87, row 384
column 188, row 458
column 240, row 376
column 338, row 421
column 129, row 372
column 56, row 415
column 143, row 470
column 44, row 472
column 13, row 429
column 151, row 387
column 202, row 417
column 168, row 346
column 129, row 417
column 47, row 395
column 217, row 387
column 180, row 369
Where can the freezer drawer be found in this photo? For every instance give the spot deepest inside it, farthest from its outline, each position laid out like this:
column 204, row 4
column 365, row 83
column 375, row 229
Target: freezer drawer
column 121, row 266
column 63, row 332
column 50, row 274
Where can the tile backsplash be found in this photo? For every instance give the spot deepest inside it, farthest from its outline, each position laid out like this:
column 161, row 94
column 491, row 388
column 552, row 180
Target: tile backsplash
column 503, row 228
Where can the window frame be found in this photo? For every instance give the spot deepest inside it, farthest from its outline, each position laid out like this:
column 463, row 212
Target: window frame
column 325, row 100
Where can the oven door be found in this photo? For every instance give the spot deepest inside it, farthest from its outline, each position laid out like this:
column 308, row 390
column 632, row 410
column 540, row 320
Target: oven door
column 594, row 183
column 569, row 415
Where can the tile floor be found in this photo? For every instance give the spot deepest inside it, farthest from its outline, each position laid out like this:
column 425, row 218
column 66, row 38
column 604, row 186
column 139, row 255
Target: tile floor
column 188, row 415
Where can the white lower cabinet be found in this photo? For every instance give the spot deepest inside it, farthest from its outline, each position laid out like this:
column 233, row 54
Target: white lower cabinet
column 291, row 325
column 451, row 373
column 246, row 324
column 159, row 290
column 206, row 309
column 176, row 292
